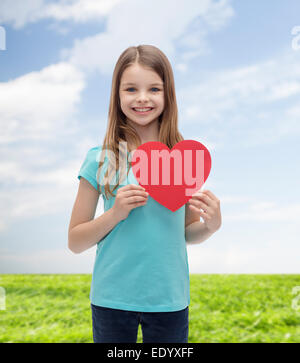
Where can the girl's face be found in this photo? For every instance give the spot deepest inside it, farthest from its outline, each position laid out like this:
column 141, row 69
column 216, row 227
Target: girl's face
column 141, row 88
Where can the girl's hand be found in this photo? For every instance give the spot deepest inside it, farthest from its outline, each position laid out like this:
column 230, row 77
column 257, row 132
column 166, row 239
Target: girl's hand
column 207, row 205
column 128, row 197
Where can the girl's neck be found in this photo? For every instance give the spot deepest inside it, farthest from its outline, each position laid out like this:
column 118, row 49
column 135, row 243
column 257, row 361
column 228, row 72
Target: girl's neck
column 147, row 133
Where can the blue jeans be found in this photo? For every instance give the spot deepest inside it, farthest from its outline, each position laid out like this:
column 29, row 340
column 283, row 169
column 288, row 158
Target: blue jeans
column 121, row 326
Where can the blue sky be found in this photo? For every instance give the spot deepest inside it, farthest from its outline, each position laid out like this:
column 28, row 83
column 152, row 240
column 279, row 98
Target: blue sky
column 237, row 80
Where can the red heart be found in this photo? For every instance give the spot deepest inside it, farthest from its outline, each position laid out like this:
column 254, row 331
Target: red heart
column 193, row 164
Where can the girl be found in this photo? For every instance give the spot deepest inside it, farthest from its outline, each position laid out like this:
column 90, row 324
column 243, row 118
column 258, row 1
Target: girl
column 141, row 272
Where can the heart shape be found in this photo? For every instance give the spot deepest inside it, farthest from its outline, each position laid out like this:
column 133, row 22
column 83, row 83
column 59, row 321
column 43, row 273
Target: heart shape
column 171, row 184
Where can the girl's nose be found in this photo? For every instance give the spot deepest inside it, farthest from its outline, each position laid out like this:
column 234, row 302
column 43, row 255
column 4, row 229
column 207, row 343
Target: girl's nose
column 142, row 97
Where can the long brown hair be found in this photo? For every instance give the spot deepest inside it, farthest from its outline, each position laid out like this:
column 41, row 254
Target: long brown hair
column 118, row 129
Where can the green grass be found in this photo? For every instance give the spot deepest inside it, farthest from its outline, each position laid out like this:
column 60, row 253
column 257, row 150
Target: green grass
column 224, row 308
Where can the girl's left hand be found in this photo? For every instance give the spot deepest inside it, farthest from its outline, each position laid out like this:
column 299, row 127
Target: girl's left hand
column 210, row 204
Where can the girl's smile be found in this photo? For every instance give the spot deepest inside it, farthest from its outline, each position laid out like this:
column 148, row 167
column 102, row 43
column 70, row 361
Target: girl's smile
column 143, row 111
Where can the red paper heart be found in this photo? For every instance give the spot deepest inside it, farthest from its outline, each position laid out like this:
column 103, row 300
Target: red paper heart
column 189, row 162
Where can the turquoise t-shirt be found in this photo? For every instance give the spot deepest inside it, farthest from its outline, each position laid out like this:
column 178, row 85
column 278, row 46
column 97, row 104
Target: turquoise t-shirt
column 142, row 263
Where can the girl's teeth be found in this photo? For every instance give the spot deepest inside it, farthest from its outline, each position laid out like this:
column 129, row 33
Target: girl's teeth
column 142, row 109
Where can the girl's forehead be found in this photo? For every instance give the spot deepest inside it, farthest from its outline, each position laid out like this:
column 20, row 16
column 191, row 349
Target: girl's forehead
column 137, row 68
column 133, row 74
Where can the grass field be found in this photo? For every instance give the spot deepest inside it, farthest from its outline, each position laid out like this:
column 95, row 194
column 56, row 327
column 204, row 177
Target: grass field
column 224, row 308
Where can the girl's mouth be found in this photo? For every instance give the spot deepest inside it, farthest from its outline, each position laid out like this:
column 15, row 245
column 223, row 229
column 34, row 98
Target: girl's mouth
column 145, row 111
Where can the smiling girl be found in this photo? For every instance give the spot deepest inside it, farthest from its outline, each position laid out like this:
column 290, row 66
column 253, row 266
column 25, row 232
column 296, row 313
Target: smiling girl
column 141, row 272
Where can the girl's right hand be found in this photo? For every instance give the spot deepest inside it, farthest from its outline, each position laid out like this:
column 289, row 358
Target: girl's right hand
column 128, row 197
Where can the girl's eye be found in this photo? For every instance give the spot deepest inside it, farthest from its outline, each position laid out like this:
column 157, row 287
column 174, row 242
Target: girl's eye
column 134, row 88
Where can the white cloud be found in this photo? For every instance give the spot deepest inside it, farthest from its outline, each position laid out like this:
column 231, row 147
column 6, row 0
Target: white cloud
column 294, row 111
column 268, row 211
column 283, row 89
column 181, row 67
column 130, row 24
column 46, row 100
column 21, row 13
column 253, row 105
column 43, row 261
column 212, row 12
column 37, row 114
column 30, row 11
column 229, row 199
column 208, row 259
column 34, row 172
column 275, row 257
column 37, row 181
column 228, row 90
column 79, row 10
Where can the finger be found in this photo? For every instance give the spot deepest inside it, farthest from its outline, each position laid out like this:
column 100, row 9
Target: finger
column 133, row 192
column 211, row 194
column 199, row 211
column 199, row 204
column 202, row 197
column 140, row 204
column 134, row 186
column 136, row 199
column 131, row 187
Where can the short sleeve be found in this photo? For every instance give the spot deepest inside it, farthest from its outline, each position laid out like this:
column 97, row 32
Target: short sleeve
column 89, row 167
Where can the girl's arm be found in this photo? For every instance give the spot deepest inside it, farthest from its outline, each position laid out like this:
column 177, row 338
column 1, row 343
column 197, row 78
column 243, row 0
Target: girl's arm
column 196, row 233
column 84, row 230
